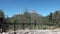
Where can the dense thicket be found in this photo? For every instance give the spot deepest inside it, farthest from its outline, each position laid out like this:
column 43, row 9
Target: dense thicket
column 53, row 19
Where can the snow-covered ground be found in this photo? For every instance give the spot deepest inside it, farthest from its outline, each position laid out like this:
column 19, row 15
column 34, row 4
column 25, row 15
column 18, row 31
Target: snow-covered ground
column 34, row 32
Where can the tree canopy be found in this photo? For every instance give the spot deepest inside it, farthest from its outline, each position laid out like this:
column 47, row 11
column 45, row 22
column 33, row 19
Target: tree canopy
column 53, row 19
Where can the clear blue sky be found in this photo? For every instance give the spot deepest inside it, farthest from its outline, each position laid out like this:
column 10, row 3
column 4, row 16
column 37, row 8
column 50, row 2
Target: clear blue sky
column 44, row 7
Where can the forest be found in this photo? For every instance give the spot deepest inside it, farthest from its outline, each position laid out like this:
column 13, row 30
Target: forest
column 50, row 21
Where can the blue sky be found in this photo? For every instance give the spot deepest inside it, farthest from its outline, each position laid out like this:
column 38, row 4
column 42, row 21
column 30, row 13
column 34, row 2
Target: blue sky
column 43, row 7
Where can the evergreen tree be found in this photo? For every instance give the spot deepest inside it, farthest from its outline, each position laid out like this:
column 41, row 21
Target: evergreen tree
column 50, row 17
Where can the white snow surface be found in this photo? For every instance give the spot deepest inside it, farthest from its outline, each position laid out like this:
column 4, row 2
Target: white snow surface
column 33, row 32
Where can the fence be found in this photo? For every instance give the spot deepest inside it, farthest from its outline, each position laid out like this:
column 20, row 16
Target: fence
column 20, row 26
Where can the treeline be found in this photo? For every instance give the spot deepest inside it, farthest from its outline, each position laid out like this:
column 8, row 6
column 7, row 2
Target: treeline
column 53, row 19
